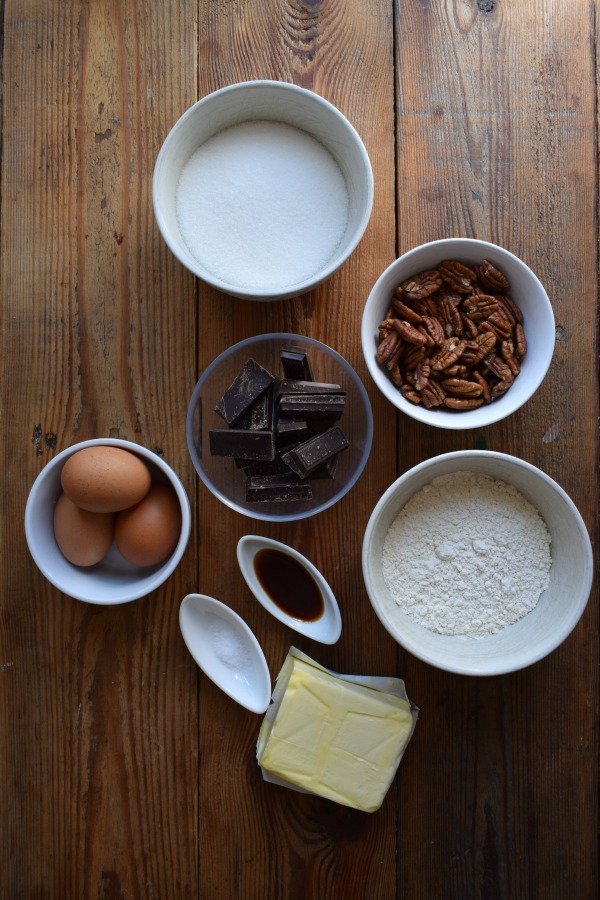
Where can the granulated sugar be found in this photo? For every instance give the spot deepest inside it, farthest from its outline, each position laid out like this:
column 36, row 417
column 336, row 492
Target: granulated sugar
column 262, row 205
column 467, row 555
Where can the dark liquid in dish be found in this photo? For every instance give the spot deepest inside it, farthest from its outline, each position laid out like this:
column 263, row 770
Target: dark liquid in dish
column 288, row 585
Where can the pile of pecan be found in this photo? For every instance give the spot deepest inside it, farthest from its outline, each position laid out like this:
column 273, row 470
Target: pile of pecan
column 453, row 337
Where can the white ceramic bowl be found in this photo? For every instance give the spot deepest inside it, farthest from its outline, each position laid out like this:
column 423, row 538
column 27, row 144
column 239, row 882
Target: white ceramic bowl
column 113, row 580
column 526, row 291
column 535, row 635
column 260, row 101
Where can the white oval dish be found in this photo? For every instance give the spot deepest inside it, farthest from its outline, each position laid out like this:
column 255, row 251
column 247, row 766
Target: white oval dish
column 328, row 627
column 226, row 650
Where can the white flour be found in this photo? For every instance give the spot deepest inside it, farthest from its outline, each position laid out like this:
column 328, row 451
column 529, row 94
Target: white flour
column 468, row 555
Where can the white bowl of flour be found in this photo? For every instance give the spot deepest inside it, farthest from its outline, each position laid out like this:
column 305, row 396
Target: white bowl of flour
column 262, row 189
column 477, row 562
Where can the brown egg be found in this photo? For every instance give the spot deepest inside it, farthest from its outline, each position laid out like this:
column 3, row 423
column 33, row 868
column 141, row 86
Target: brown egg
column 105, row 479
column 148, row 532
column 83, row 537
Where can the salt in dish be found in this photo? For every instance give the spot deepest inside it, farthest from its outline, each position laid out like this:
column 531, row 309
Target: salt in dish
column 290, row 587
column 226, row 650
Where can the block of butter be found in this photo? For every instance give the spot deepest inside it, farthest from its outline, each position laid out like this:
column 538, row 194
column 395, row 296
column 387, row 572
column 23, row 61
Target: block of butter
column 338, row 736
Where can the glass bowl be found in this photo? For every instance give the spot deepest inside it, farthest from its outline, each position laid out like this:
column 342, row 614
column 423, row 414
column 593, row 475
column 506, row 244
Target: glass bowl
column 225, row 478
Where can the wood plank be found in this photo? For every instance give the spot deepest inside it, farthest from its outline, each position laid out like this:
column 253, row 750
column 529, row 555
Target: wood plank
column 97, row 702
column 496, row 137
column 277, row 841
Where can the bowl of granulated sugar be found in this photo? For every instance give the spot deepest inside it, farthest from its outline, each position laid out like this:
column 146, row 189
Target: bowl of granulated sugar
column 262, row 189
column 477, row 562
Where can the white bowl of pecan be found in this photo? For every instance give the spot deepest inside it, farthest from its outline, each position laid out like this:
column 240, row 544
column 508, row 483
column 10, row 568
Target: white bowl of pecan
column 458, row 333
column 477, row 562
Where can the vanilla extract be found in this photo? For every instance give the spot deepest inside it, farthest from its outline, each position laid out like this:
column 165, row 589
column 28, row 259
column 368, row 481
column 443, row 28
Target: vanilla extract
column 288, row 585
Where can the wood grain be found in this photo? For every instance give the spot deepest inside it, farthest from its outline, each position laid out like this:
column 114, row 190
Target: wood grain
column 100, row 777
column 124, row 771
column 495, row 127
column 312, row 851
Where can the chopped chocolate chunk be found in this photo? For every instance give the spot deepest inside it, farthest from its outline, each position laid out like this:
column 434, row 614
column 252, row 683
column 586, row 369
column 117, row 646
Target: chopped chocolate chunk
column 326, row 471
column 288, row 430
column 242, row 443
column 251, row 381
column 274, row 466
column 315, row 452
column 260, row 415
column 296, row 364
column 297, row 386
column 331, row 405
column 277, row 488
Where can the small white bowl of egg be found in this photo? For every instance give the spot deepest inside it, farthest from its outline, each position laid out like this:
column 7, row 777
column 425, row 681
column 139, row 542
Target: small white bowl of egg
column 107, row 521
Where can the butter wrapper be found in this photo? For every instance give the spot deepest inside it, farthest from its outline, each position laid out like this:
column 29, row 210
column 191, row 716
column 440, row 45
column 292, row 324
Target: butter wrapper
column 338, row 736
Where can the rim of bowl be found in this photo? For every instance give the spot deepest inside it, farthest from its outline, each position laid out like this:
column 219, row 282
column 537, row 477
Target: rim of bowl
column 477, row 418
column 168, row 567
column 281, row 336
column 560, row 635
column 337, row 259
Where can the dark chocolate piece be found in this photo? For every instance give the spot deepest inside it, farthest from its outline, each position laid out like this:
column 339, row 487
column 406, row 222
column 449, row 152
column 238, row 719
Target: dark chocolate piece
column 310, row 405
column 295, row 364
column 319, row 424
column 242, row 443
column 312, row 454
column 326, row 471
column 274, row 466
column 251, row 381
column 277, row 488
column 263, row 467
column 297, row 386
column 288, row 430
column 260, row 415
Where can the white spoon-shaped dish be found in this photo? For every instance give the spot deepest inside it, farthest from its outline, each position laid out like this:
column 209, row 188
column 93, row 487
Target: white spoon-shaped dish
column 226, row 650
column 327, row 627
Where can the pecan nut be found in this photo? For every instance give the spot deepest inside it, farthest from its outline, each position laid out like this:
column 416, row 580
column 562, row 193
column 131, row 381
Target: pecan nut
column 491, row 277
column 434, row 329
column 405, row 311
column 409, row 333
column 480, row 306
column 460, row 387
column 447, row 354
column 457, row 275
column 422, row 285
column 387, row 346
column 520, row 342
column 463, row 403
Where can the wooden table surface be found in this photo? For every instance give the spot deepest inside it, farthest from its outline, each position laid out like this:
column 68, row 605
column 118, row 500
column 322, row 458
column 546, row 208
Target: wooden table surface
column 124, row 772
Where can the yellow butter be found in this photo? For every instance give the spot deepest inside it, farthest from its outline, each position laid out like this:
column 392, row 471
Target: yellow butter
column 339, row 737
